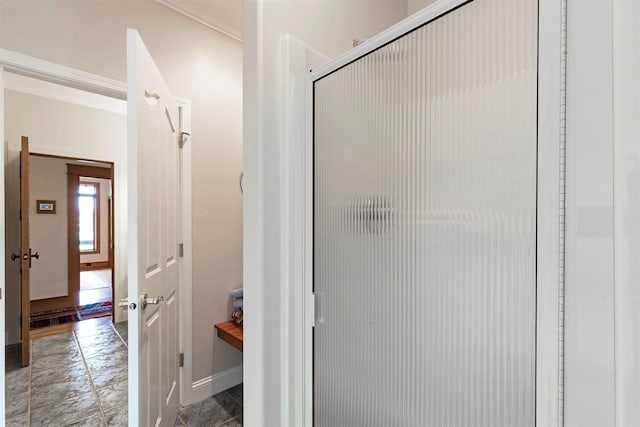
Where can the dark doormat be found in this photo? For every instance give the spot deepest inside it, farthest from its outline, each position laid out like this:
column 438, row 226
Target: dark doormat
column 60, row 316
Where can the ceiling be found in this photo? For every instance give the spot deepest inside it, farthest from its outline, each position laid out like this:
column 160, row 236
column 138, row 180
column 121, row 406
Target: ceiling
column 224, row 16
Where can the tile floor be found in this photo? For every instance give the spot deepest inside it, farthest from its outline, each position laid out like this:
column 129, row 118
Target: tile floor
column 79, row 378
column 223, row 409
column 76, row 378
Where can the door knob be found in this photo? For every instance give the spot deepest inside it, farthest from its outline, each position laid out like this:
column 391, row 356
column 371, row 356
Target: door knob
column 146, row 300
column 26, row 256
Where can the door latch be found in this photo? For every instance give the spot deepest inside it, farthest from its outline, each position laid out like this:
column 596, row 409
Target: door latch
column 26, row 256
column 124, row 304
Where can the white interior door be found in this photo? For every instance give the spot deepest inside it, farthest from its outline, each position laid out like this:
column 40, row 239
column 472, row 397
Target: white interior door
column 153, row 247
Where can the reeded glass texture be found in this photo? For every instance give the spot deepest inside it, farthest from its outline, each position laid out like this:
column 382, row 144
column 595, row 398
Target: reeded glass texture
column 425, row 226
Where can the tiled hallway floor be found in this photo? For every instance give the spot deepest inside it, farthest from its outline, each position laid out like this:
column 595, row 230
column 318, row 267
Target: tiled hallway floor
column 79, row 378
column 223, row 409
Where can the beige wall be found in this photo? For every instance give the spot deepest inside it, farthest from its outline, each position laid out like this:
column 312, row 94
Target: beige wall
column 415, row 5
column 199, row 64
column 105, row 194
column 48, row 232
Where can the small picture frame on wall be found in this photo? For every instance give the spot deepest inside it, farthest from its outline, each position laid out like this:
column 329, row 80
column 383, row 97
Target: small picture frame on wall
column 46, row 206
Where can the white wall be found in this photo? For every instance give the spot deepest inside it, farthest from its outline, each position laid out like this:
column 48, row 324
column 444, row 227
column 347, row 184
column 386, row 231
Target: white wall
column 200, row 65
column 48, row 233
column 328, row 27
column 105, row 194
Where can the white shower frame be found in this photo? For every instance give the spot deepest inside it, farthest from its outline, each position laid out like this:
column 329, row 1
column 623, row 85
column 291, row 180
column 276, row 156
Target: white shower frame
column 549, row 281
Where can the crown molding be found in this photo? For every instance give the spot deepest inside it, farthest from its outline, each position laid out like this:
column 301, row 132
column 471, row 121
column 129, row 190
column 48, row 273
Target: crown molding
column 197, row 14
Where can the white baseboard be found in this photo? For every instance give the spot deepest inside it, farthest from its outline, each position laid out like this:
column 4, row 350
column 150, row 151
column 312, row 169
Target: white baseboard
column 213, row 384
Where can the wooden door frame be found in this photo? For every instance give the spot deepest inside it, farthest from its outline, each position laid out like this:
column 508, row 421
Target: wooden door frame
column 74, row 172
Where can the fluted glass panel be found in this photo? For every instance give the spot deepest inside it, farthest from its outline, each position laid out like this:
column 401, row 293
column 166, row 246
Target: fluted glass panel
column 425, row 226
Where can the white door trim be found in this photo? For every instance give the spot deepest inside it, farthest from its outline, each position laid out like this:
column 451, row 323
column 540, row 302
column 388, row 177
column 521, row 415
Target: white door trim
column 186, row 266
column 296, row 207
column 49, row 71
column 297, row 60
column 45, row 70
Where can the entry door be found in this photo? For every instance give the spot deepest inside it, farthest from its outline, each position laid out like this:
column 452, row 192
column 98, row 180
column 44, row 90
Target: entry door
column 152, row 243
column 25, row 252
column 425, row 226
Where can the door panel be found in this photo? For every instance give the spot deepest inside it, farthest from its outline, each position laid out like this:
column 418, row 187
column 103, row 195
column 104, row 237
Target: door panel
column 425, row 226
column 170, row 385
column 153, row 225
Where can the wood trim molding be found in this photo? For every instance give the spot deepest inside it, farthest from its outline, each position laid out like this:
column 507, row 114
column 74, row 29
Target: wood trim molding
column 73, row 236
column 89, row 171
column 90, row 266
column 112, row 230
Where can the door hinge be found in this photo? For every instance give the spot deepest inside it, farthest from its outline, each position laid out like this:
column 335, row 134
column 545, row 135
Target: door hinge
column 181, row 250
column 181, row 360
column 0, row 293
column 183, row 139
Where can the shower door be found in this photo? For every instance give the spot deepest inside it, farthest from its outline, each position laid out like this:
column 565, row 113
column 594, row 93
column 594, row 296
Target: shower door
column 424, row 210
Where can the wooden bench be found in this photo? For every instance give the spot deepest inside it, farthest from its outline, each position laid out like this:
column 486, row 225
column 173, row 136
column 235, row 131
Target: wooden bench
column 231, row 333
